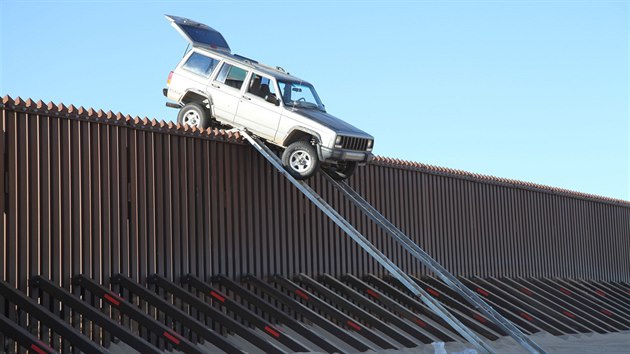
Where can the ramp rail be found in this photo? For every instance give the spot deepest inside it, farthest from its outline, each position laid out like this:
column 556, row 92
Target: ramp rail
column 411, row 247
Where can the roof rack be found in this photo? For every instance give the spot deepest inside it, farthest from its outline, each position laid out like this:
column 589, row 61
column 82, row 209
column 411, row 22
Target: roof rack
column 274, row 68
column 246, row 59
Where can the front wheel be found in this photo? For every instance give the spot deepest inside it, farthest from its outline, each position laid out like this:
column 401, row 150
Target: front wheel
column 342, row 171
column 193, row 115
column 300, row 159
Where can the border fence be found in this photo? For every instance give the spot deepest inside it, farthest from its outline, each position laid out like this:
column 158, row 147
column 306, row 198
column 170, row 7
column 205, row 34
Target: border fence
column 140, row 235
column 99, row 193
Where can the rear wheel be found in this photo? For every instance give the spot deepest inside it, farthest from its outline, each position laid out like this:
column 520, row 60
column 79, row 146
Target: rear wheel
column 342, row 170
column 300, row 159
column 193, row 115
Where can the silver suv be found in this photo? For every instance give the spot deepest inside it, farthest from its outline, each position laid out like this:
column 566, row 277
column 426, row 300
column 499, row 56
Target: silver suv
column 213, row 87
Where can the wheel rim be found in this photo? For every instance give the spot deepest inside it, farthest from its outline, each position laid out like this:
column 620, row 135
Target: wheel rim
column 300, row 161
column 191, row 118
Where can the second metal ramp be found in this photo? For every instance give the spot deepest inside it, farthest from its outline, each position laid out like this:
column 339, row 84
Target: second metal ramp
column 372, row 250
column 437, row 268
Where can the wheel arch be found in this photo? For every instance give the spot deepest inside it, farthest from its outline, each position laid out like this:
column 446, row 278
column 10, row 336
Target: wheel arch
column 300, row 133
column 197, row 96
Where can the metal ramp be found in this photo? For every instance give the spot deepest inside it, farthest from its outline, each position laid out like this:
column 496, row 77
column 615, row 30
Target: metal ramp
column 411, row 247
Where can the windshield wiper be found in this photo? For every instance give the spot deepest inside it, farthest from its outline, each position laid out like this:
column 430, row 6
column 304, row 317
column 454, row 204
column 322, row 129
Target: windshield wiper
column 305, row 105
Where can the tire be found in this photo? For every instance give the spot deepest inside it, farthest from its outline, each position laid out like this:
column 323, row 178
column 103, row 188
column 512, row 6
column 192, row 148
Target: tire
column 193, row 115
column 342, row 171
column 300, row 159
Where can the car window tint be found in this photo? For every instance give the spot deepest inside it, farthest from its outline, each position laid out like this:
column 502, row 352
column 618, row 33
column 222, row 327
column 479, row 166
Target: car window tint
column 200, row 64
column 232, row 76
column 296, row 92
column 202, row 35
column 262, row 87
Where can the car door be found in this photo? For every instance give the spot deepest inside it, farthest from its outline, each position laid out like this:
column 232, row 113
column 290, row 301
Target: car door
column 225, row 91
column 259, row 108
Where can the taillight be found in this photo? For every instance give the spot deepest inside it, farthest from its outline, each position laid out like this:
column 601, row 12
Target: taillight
column 168, row 81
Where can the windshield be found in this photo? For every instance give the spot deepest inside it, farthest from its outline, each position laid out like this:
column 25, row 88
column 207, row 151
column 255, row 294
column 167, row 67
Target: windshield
column 299, row 94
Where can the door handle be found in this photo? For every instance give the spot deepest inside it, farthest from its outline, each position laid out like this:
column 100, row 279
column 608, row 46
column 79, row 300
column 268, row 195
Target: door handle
column 247, row 98
column 215, row 85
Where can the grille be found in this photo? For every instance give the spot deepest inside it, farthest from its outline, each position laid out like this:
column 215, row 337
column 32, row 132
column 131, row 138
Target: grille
column 351, row 143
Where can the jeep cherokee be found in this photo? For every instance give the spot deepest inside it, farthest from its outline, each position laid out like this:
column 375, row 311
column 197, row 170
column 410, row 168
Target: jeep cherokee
column 212, row 86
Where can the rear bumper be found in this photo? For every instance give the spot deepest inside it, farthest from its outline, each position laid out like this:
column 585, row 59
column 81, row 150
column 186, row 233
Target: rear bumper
column 335, row 155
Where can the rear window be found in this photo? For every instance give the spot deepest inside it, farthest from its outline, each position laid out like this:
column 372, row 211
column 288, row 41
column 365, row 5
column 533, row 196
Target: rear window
column 200, row 64
column 205, row 36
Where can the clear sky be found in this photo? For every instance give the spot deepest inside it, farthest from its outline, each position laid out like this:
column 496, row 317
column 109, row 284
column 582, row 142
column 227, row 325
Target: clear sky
column 530, row 90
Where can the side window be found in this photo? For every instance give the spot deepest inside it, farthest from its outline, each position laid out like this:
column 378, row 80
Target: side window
column 263, row 87
column 232, row 76
column 200, row 64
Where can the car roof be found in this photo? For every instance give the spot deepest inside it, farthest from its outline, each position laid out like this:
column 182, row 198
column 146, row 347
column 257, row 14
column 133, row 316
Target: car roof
column 206, row 39
column 277, row 72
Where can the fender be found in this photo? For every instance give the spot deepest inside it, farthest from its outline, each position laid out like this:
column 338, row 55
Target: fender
column 303, row 130
column 198, row 94
column 311, row 132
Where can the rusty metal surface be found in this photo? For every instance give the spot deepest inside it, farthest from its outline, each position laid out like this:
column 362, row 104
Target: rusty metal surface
column 98, row 193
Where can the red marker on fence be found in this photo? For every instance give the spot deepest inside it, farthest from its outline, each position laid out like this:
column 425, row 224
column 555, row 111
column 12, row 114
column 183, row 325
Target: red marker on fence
column 217, row 296
column 301, row 294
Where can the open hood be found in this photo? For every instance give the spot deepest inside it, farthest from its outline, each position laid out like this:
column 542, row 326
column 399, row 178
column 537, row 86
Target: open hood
column 198, row 34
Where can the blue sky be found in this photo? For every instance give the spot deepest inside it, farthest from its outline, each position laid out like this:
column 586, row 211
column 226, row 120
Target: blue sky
column 530, row 90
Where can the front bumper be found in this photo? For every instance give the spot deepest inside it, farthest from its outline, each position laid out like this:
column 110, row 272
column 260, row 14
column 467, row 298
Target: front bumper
column 336, row 155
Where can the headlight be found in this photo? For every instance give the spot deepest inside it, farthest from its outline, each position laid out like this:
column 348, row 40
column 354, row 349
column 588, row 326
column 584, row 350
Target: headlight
column 370, row 142
column 338, row 142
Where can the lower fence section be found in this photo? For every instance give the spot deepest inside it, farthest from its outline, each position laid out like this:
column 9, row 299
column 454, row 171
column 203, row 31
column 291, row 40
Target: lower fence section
column 283, row 315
